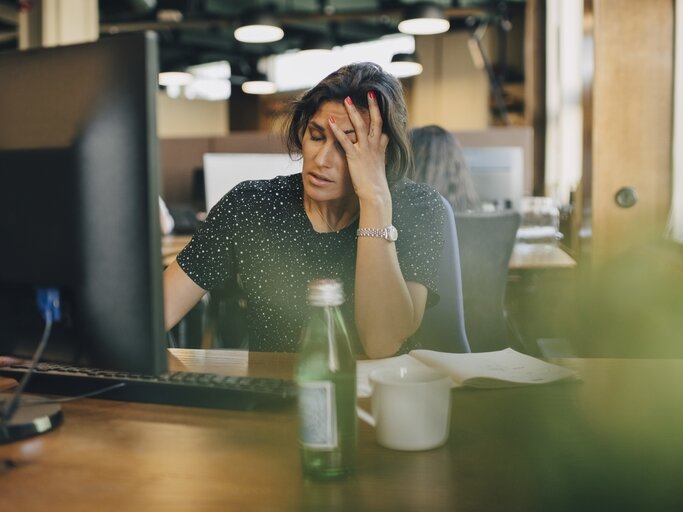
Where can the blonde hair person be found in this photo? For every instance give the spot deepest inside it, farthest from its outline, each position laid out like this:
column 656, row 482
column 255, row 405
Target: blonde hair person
column 440, row 162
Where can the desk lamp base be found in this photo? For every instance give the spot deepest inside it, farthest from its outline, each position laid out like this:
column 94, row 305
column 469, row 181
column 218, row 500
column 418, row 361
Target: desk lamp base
column 31, row 418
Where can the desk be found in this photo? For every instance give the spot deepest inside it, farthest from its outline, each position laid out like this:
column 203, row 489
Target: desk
column 614, row 440
column 540, row 292
column 539, row 256
column 171, row 245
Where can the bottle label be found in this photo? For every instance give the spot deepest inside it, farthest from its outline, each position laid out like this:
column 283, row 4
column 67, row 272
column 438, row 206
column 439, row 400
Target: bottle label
column 317, row 415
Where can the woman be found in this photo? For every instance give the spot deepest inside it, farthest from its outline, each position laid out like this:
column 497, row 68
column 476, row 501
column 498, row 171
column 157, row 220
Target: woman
column 439, row 161
column 336, row 219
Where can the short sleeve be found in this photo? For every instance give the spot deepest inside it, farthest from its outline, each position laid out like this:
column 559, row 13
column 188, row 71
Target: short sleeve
column 419, row 216
column 209, row 257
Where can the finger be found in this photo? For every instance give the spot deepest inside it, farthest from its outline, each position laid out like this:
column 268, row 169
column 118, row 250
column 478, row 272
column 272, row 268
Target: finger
column 383, row 141
column 339, row 134
column 357, row 120
column 375, row 117
column 8, row 361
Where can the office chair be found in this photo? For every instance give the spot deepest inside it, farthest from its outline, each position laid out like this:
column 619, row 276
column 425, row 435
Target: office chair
column 227, row 316
column 486, row 243
column 443, row 325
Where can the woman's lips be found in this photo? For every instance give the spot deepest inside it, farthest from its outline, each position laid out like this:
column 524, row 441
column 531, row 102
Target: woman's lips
column 318, row 179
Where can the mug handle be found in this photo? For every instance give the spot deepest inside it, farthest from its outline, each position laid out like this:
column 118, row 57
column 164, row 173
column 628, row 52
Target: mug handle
column 365, row 416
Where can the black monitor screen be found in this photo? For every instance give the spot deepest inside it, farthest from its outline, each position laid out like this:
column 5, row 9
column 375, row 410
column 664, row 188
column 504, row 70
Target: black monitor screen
column 79, row 184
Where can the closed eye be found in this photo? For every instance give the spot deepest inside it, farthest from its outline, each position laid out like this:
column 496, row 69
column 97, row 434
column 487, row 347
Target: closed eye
column 315, row 134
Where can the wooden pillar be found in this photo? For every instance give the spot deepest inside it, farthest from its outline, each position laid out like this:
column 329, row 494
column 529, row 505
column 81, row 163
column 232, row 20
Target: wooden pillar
column 58, row 22
column 534, row 85
column 631, row 121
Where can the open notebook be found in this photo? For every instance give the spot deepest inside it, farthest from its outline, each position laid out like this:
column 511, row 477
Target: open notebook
column 499, row 369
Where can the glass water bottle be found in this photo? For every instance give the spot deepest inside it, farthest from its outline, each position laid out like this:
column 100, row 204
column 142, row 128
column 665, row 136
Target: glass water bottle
column 326, row 377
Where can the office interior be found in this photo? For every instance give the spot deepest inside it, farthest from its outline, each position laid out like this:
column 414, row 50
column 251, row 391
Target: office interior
column 590, row 92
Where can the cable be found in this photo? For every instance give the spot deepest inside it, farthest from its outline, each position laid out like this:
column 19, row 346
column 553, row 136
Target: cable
column 50, row 308
column 73, row 398
column 13, row 404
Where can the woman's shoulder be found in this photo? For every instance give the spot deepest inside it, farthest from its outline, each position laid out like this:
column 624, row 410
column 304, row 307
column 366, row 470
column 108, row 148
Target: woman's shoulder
column 409, row 194
column 253, row 198
column 281, row 184
column 252, row 193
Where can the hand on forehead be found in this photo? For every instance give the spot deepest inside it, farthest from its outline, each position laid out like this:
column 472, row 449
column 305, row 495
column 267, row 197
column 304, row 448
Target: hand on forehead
column 340, row 114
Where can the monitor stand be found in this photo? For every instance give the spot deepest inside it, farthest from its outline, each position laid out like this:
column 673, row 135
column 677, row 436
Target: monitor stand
column 29, row 420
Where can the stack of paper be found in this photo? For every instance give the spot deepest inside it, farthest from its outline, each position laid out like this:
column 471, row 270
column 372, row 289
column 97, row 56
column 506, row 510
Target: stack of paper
column 499, row 369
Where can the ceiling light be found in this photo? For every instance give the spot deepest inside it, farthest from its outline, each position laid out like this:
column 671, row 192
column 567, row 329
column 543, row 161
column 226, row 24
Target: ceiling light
column 259, row 27
column 212, row 70
column 424, row 18
column 210, row 89
column 404, row 65
column 174, row 78
column 173, row 81
column 257, row 83
column 315, row 53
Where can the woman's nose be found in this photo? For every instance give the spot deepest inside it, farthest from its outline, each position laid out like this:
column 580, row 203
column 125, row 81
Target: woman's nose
column 326, row 154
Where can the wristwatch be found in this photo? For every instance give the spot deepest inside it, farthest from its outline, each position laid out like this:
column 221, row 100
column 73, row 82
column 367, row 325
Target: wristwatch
column 390, row 233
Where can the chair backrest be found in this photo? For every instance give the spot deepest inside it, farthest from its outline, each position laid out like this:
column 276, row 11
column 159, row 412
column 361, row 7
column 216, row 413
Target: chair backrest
column 486, row 243
column 443, row 325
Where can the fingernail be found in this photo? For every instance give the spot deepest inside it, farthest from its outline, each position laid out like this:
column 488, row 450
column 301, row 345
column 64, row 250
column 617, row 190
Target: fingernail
column 348, row 100
column 371, row 95
column 332, row 120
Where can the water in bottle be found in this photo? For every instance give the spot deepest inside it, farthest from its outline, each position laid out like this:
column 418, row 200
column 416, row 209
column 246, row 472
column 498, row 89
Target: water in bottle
column 326, row 377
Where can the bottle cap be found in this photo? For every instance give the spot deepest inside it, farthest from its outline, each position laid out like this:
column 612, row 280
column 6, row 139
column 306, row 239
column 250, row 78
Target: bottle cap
column 325, row 292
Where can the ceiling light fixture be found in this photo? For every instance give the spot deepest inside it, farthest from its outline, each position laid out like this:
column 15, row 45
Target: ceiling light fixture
column 209, row 89
column 257, row 83
column 424, row 18
column 215, row 70
column 173, row 81
column 174, row 78
column 403, row 65
column 259, row 27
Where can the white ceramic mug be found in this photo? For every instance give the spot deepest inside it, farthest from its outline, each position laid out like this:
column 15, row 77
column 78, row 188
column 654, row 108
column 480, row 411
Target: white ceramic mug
column 411, row 408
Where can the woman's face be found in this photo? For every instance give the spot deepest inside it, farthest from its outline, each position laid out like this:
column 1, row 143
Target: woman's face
column 325, row 169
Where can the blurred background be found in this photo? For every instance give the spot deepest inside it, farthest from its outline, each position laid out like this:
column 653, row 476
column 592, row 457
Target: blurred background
column 586, row 93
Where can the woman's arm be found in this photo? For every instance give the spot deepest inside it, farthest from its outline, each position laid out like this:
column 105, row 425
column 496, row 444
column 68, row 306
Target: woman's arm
column 180, row 294
column 388, row 310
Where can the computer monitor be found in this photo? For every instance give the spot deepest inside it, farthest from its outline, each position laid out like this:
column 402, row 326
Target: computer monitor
column 79, row 186
column 223, row 171
column 497, row 174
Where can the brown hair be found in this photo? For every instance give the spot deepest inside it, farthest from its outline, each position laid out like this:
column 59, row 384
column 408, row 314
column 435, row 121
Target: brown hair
column 356, row 80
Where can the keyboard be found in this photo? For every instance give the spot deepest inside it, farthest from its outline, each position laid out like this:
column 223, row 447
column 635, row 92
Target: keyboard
column 191, row 389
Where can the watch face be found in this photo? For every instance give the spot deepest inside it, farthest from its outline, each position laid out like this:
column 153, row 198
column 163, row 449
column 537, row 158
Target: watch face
column 392, row 234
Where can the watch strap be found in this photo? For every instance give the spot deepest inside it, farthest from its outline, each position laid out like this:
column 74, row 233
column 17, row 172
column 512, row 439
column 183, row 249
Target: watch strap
column 389, row 233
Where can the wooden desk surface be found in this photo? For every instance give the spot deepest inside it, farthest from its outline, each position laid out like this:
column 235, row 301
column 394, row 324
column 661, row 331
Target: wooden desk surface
column 171, row 245
column 539, row 256
column 524, row 256
column 611, row 441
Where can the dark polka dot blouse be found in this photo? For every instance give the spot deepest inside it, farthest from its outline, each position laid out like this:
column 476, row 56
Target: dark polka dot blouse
column 260, row 236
